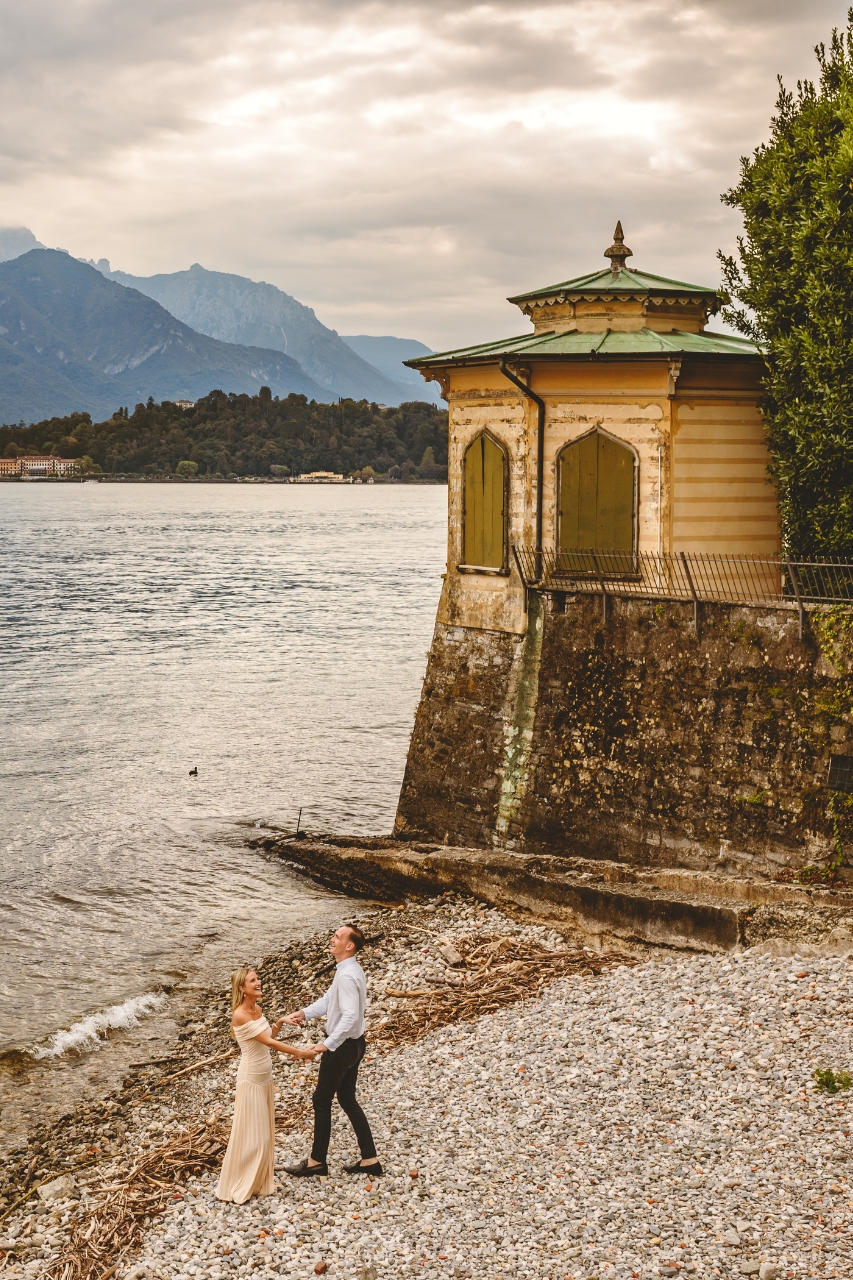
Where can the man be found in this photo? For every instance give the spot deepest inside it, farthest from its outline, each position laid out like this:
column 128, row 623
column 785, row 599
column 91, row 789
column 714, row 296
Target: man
column 340, row 1056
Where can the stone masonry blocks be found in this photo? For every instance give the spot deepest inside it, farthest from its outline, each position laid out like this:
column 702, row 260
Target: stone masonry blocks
column 649, row 744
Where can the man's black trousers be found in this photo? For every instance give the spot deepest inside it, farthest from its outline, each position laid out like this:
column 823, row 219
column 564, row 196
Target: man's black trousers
column 339, row 1075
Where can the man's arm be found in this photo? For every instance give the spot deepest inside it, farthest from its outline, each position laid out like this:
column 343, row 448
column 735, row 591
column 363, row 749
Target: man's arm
column 318, row 1009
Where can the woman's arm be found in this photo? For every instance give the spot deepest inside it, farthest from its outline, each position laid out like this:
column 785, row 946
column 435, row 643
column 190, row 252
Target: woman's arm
column 263, row 1037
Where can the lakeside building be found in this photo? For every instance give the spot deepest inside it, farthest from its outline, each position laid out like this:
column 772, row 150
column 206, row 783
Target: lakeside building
column 630, row 715
column 619, row 424
column 321, row 477
column 38, row 466
column 618, row 627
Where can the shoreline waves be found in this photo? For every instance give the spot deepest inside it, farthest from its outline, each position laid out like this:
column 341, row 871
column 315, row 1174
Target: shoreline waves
column 88, row 1033
column 659, row 1118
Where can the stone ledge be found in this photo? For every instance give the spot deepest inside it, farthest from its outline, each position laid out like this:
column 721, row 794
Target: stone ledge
column 606, row 901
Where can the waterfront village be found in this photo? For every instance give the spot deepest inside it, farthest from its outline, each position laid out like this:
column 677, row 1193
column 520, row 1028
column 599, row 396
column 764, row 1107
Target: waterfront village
column 609, row 976
column 49, row 467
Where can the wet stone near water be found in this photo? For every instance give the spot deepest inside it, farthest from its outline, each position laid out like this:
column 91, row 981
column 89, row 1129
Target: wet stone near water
column 707, row 1153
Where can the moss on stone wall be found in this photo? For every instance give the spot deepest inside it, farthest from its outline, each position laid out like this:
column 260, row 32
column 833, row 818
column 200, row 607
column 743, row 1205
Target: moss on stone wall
column 452, row 784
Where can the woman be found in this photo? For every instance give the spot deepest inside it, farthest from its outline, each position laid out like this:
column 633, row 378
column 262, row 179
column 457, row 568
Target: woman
column 247, row 1169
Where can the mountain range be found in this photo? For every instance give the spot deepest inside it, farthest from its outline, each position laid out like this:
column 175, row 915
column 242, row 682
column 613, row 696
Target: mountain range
column 70, row 342
column 234, row 309
column 17, row 240
column 387, row 355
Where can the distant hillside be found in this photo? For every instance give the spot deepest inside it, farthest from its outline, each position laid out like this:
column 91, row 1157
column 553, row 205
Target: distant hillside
column 235, row 309
column 71, row 340
column 387, row 354
column 247, row 436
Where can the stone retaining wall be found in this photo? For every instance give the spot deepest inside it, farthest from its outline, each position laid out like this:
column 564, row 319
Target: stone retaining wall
column 636, row 739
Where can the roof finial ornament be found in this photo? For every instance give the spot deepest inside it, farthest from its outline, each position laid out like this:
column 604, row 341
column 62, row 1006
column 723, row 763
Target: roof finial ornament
column 618, row 251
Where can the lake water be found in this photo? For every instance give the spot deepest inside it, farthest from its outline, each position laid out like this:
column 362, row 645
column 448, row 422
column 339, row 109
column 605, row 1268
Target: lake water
column 272, row 636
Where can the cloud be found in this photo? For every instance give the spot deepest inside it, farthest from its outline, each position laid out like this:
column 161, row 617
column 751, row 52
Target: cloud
column 401, row 167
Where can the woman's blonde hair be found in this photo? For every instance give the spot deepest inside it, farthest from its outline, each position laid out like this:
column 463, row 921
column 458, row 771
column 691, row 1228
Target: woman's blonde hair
column 238, row 981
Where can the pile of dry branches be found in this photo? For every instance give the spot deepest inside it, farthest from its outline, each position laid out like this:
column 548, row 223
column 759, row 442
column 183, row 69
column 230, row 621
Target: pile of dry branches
column 494, row 973
column 99, row 1243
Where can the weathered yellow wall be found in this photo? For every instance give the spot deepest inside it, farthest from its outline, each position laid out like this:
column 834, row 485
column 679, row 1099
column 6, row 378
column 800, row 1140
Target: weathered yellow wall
column 486, row 600
column 619, row 314
column 701, row 466
column 644, row 425
column 722, row 498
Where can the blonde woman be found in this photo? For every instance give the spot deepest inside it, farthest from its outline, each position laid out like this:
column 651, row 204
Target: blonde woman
column 247, row 1169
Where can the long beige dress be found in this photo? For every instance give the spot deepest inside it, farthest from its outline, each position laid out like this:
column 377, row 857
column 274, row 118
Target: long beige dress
column 247, row 1169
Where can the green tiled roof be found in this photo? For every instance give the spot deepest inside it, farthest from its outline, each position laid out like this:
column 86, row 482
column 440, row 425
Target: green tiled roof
column 626, row 282
column 609, row 343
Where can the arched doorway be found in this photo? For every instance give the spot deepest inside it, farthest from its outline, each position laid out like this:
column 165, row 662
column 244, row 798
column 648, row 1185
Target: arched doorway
column 484, row 529
column 597, row 496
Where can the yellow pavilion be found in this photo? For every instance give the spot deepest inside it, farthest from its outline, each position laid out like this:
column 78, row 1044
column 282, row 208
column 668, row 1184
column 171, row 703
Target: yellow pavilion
column 619, row 424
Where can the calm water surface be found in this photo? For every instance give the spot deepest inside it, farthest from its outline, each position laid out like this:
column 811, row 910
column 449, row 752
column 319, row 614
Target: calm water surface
column 274, row 637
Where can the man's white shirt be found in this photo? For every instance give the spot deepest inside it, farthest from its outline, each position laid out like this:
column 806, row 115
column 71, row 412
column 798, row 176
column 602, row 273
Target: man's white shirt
column 343, row 1005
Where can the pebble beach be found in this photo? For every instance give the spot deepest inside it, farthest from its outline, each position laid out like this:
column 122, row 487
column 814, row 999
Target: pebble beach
column 660, row 1118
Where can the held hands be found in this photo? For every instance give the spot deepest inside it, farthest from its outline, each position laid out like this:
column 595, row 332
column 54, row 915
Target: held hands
column 290, row 1020
column 297, row 1020
column 312, row 1051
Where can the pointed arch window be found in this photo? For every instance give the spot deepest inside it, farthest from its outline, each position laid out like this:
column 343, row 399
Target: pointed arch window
column 597, row 497
column 484, row 517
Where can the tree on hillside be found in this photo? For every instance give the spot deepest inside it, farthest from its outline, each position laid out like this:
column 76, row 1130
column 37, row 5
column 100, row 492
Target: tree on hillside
column 240, row 435
column 428, row 469
column 790, row 289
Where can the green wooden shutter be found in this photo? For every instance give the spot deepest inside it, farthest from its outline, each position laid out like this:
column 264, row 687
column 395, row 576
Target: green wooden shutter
column 569, row 499
column 484, row 504
column 596, row 495
column 493, row 504
column 615, row 506
column 473, row 503
column 587, row 491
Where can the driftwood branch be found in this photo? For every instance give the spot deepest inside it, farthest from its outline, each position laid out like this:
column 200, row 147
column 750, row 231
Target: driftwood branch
column 196, row 1066
column 498, row 971
column 98, row 1245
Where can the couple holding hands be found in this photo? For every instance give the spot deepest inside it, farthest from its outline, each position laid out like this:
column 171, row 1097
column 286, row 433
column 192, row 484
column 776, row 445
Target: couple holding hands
column 248, row 1167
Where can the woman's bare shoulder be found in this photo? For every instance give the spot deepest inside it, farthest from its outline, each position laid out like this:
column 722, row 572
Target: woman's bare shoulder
column 240, row 1017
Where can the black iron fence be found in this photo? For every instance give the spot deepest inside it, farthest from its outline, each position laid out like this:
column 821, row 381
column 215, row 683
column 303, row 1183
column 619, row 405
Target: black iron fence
column 696, row 577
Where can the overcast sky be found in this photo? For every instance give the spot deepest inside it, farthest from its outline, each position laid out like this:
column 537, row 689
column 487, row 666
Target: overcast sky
column 401, row 167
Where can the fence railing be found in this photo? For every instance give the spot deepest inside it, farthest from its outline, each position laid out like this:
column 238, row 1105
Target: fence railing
column 695, row 577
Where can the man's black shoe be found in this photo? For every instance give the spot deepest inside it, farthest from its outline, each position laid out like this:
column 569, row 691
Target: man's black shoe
column 306, row 1170
column 358, row 1167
